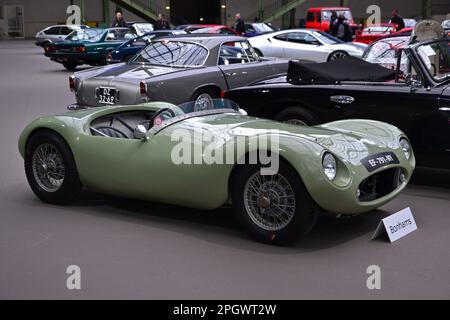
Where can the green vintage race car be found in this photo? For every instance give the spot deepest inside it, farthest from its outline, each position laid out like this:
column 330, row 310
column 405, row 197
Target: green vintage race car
column 277, row 176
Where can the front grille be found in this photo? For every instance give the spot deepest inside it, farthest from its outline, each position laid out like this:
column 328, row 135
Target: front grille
column 379, row 184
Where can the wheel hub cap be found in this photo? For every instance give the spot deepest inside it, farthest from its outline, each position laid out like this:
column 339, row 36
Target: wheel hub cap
column 48, row 167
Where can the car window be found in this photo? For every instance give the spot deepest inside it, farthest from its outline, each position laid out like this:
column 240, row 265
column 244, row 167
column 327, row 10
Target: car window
column 52, row 31
column 281, row 37
column 65, row 31
column 173, row 54
column 237, row 53
column 326, row 14
column 226, row 31
column 91, row 35
column 120, row 35
column 301, row 38
column 311, row 16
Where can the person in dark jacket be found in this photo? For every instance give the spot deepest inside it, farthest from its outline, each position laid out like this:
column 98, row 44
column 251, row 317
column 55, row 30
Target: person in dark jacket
column 396, row 19
column 161, row 23
column 239, row 24
column 119, row 21
column 341, row 29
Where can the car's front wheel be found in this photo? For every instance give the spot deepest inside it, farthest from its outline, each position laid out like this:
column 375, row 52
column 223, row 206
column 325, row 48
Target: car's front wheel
column 275, row 209
column 50, row 168
column 297, row 116
column 70, row 66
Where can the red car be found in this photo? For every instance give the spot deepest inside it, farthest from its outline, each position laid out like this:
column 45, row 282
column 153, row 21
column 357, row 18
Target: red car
column 377, row 31
column 319, row 18
column 210, row 28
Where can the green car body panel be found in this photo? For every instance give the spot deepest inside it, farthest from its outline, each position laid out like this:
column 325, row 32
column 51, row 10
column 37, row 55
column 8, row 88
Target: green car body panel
column 143, row 169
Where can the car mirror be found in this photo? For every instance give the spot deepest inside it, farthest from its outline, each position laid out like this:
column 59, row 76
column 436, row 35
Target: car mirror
column 140, row 132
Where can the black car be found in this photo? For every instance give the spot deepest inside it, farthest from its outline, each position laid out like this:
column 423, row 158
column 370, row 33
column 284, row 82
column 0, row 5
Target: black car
column 415, row 97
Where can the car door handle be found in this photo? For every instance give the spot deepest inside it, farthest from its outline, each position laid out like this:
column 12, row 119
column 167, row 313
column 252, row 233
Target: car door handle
column 231, row 74
column 342, row 99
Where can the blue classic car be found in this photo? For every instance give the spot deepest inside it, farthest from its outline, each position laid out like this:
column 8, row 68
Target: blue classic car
column 124, row 52
column 257, row 28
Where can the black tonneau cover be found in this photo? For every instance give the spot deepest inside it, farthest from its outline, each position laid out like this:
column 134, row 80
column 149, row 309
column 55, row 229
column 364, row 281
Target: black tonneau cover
column 346, row 69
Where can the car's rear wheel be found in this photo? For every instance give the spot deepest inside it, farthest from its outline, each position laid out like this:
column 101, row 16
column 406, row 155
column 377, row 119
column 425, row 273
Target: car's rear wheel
column 204, row 99
column 296, row 115
column 259, row 52
column 50, row 168
column 274, row 209
column 70, row 66
column 337, row 55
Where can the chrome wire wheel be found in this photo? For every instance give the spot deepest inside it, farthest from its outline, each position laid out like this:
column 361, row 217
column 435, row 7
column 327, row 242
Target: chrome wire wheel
column 337, row 55
column 269, row 201
column 48, row 167
column 204, row 102
column 296, row 122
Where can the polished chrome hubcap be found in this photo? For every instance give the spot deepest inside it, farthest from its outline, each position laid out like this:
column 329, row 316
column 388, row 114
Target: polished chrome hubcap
column 297, row 122
column 203, row 102
column 48, row 167
column 269, row 201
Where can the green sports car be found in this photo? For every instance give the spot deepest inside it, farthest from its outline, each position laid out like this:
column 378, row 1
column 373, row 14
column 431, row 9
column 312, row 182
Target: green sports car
column 88, row 46
column 277, row 176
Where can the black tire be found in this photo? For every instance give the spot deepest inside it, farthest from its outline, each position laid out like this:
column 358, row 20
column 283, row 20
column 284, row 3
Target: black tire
column 70, row 66
column 302, row 221
column 71, row 185
column 337, row 55
column 297, row 115
column 259, row 52
column 127, row 58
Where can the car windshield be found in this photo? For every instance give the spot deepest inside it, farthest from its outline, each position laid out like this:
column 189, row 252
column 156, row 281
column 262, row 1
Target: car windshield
column 262, row 27
column 173, row 54
column 385, row 53
column 326, row 14
column 200, row 107
column 436, row 58
column 90, row 35
column 326, row 37
column 378, row 29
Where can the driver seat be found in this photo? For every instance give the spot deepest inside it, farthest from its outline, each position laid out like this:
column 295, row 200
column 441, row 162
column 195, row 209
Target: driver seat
column 109, row 132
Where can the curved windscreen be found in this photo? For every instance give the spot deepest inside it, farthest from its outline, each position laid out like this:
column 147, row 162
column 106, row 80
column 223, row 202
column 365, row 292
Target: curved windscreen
column 436, row 58
column 385, row 53
column 173, row 53
column 203, row 106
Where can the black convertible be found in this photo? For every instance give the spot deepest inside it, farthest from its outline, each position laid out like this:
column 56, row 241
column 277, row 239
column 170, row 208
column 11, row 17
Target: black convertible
column 414, row 96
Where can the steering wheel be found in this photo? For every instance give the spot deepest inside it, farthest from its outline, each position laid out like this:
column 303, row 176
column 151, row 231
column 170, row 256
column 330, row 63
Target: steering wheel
column 162, row 115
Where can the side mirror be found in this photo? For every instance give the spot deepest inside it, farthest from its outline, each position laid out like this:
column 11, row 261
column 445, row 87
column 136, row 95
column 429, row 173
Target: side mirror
column 140, row 132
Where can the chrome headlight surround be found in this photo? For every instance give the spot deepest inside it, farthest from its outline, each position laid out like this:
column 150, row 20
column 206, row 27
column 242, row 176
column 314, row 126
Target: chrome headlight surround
column 406, row 147
column 329, row 166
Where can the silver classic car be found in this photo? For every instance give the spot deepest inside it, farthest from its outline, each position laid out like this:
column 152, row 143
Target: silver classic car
column 176, row 70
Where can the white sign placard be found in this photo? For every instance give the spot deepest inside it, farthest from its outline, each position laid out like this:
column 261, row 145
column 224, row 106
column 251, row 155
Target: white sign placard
column 397, row 225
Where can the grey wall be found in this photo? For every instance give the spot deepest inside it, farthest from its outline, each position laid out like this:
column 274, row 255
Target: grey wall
column 41, row 13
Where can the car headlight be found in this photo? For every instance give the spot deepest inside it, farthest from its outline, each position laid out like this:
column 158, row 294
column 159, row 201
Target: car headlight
column 406, row 147
column 329, row 166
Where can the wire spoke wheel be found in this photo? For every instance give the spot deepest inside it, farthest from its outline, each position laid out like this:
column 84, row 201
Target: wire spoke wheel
column 296, row 122
column 204, row 102
column 48, row 167
column 269, row 201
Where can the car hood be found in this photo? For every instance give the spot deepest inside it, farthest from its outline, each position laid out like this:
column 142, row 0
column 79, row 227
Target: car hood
column 351, row 141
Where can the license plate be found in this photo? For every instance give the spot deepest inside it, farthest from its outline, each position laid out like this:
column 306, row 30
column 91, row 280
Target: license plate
column 106, row 95
column 375, row 161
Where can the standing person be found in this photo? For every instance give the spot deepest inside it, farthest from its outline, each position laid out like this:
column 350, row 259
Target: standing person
column 119, row 21
column 333, row 18
column 341, row 29
column 396, row 19
column 161, row 23
column 239, row 25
